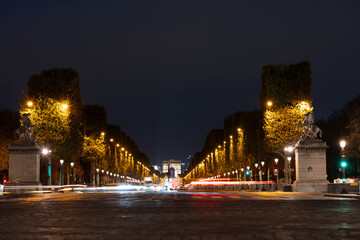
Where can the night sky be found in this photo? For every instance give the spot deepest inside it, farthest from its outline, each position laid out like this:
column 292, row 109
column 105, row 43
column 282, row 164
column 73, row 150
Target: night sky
column 170, row 71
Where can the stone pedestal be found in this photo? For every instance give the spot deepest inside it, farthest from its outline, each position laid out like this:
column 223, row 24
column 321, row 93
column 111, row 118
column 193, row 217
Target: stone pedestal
column 310, row 161
column 24, row 163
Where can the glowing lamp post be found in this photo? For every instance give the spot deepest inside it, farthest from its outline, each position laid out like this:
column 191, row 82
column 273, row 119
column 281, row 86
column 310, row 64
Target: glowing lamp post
column 261, row 173
column 45, row 152
column 289, row 151
column 242, row 171
column 72, row 172
column 97, row 176
column 261, row 169
column 256, row 166
column 343, row 166
column 276, row 171
column 102, row 176
column 61, row 172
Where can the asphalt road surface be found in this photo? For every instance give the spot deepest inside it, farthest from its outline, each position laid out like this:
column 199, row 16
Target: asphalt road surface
column 178, row 215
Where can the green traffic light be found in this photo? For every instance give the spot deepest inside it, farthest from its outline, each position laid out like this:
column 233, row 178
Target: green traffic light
column 343, row 164
column 247, row 173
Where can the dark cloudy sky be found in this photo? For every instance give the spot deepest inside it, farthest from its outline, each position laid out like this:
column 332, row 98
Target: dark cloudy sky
column 170, row 71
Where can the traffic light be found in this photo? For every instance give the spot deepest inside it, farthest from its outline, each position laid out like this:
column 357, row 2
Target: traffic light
column 247, row 173
column 343, row 164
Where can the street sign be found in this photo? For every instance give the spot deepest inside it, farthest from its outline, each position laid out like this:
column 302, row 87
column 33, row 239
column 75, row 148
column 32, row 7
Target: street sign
column 276, row 172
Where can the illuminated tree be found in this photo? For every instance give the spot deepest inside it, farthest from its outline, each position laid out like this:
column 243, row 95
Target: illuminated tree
column 285, row 99
column 60, row 85
column 53, row 123
column 94, row 150
column 280, row 124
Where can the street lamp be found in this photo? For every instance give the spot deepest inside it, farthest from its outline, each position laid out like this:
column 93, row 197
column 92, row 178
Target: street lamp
column 261, row 173
column 277, row 173
column 61, row 172
column 242, row 171
column 289, row 169
column 288, row 151
column 72, row 172
column 248, row 171
column 97, row 176
column 343, row 166
column 45, row 152
column 256, row 166
column 102, row 176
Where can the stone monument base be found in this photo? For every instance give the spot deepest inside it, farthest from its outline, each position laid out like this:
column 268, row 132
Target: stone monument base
column 24, row 163
column 310, row 162
column 315, row 187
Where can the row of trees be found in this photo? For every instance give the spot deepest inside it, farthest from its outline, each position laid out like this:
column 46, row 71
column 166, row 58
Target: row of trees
column 343, row 124
column 76, row 133
column 232, row 148
column 261, row 135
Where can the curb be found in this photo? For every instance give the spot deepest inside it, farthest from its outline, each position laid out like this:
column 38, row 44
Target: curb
column 356, row 196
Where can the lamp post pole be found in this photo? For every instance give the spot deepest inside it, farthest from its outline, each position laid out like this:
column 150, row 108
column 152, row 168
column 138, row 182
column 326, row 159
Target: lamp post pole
column 343, row 165
column 256, row 169
column 262, row 168
column 45, row 152
column 61, row 172
column 102, row 176
column 97, row 176
column 72, row 173
column 288, row 150
column 242, row 171
column 277, row 173
column 289, row 169
column 248, row 169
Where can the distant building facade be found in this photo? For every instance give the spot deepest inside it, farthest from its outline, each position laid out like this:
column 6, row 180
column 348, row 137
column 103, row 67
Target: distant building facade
column 172, row 166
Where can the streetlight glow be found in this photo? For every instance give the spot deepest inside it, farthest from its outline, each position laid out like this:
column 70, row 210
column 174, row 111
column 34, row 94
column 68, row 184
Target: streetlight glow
column 276, row 160
column 269, row 103
column 289, row 149
column 45, row 151
column 61, row 161
column 72, row 164
column 342, row 143
column 29, row 103
column 65, row 106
